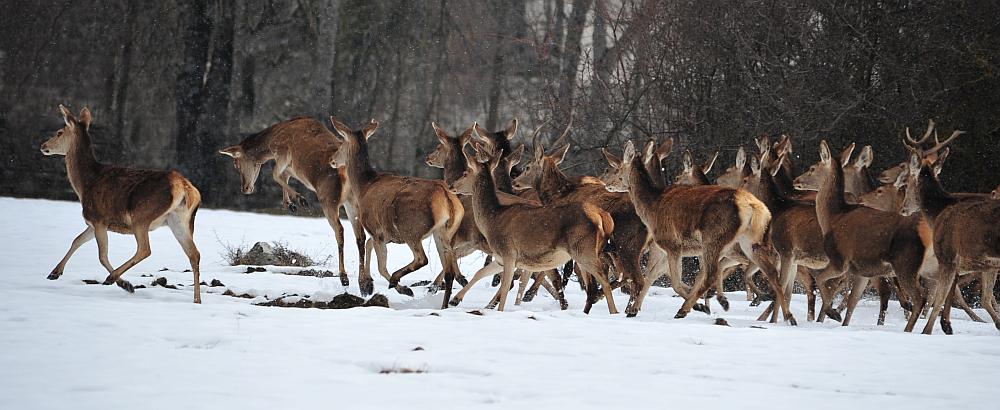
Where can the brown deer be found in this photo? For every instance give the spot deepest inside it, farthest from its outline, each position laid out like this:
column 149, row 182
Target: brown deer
column 889, row 197
column 627, row 242
column 692, row 174
column 966, row 235
column 448, row 156
column 123, row 200
column 706, row 221
column 864, row 242
column 301, row 148
column 534, row 238
column 397, row 209
column 733, row 176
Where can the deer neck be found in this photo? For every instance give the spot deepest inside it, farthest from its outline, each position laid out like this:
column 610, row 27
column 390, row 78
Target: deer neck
column 454, row 166
column 81, row 164
column 358, row 166
column 643, row 192
column 932, row 196
column 655, row 172
column 502, row 180
column 484, row 196
column 553, row 184
column 830, row 198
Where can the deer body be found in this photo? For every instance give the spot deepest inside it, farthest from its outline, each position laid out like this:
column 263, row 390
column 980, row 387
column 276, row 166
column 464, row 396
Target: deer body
column 398, row 209
column 301, row 148
column 124, row 200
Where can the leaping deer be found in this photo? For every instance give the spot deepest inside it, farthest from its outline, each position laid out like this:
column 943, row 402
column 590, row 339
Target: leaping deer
column 123, row 200
column 301, row 148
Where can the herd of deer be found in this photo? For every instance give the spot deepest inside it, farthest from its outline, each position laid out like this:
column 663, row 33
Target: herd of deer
column 827, row 228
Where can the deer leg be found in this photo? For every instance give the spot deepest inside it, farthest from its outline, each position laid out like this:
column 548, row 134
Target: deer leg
column 706, row 276
column 754, row 292
column 910, row 286
column 521, row 287
column 507, row 280
column 658, row 261
column 81, row 239
column 943, row 285
column 488, row 270
column 142, row 251
column 540, row 279
column 988, row 282
column 884, row 291
column 101, row 235
column 180, row 229
column 857, row 289
column 291, row 199
column 946, row 310
column 419, row 261
column 827, row 293
column 764, row 257
column 805, row 277
column 333, row 218
column 381, row 257
column 964, row 305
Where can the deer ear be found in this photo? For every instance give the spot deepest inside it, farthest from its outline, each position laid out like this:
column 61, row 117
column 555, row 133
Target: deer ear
column 511, row 130
column 560, row 154
column 741, row 158
column 708, row 165
column 369, row 129
column 665, row 148
column 900, row 179
column 515, row 157
column 864, row 159
column 67, row 115
column 234, row 151
column 687, row 162
column 539, row 152
column 483, row 134
column 939, row 164
column 762, row 143
column 613, row 160
column 648, row 150
column 776, row 166
column 85, row 118
column 442, row 136
column 824, row 152
column 914, row 166
column 342, row 129
column 466, row 136
column 629, row 153
column 845, row 156
column 754, row 165
column 481, row 155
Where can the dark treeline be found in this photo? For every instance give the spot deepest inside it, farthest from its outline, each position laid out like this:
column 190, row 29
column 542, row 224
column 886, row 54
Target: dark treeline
column 172, row 81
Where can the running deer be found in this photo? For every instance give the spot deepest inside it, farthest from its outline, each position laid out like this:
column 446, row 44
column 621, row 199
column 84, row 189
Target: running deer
column 707, row 221
column 864, row 242
column 531, row 237
column 627, row 242
column 301, row 149
column 123, row 200
column 448, row 155
column 397, row 209
column 966, row 235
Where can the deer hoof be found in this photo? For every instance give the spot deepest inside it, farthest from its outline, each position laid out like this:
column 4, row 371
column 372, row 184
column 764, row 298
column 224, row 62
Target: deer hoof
column 292, row 207
column 681, row 314
column 302, row 201
column 455, row 301
column 724, row 302
column 124, row 284
column 367, row 287
column 528, row 297
column 403, row 290
column 54, row 275
column 433, row 288
column 496, row 281
column 109, row 280
column 702, row 308
column 791, row 321
column 462, row 280
column 344, row 280
column 563, row 305
column 946, row 328
column 834, row 314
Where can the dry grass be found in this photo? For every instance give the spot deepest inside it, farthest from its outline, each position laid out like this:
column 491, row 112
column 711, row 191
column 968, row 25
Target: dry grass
column 236, row 255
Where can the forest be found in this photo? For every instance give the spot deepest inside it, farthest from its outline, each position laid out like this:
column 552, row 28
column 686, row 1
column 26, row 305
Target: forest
column 171, row 82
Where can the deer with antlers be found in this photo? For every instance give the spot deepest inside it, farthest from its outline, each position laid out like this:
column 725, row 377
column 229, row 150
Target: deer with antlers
column 397, row 209
column 535, row 238
column 965, row 233
column 706, row 221
column 449, row 156
column 301, row 148
column 123, row 200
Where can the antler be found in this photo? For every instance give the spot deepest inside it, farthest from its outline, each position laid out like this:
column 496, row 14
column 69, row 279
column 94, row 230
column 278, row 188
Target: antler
column 534, row 134
column 562, row 138
column 939, row 145
column 927, row 134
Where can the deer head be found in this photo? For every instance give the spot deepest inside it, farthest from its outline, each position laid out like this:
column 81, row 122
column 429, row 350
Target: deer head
column 484, row 159
column 354, row 141
column 694, row 174
column 246, row 164
column 617, row 178
column 533, row 170
column 449, row 149
column 63, row 140
column 888, row 197
column 734, row 175
column 813, row 178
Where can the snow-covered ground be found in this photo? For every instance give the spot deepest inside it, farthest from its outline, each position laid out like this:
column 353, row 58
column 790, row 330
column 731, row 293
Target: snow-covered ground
column 65, row 344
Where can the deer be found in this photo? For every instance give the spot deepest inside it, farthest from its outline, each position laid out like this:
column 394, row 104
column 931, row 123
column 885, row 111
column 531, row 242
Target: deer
column 692, row 174
column 534, row 238
column 448, row 156
column 397, row 209
column 706, row 221
column 889, row 197
column 301, row 148
column 864, row 242
column 629, row 236
column 966, row 238
column 123, row 200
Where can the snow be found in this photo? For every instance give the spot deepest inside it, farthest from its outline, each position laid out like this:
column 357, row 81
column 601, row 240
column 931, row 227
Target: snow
column 96, row 347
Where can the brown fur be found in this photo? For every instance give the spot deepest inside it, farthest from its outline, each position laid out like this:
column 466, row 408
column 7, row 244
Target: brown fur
column 398, row 209
column 123, row 200
column 301, row 148
column 518, row 240
column 705, row 221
